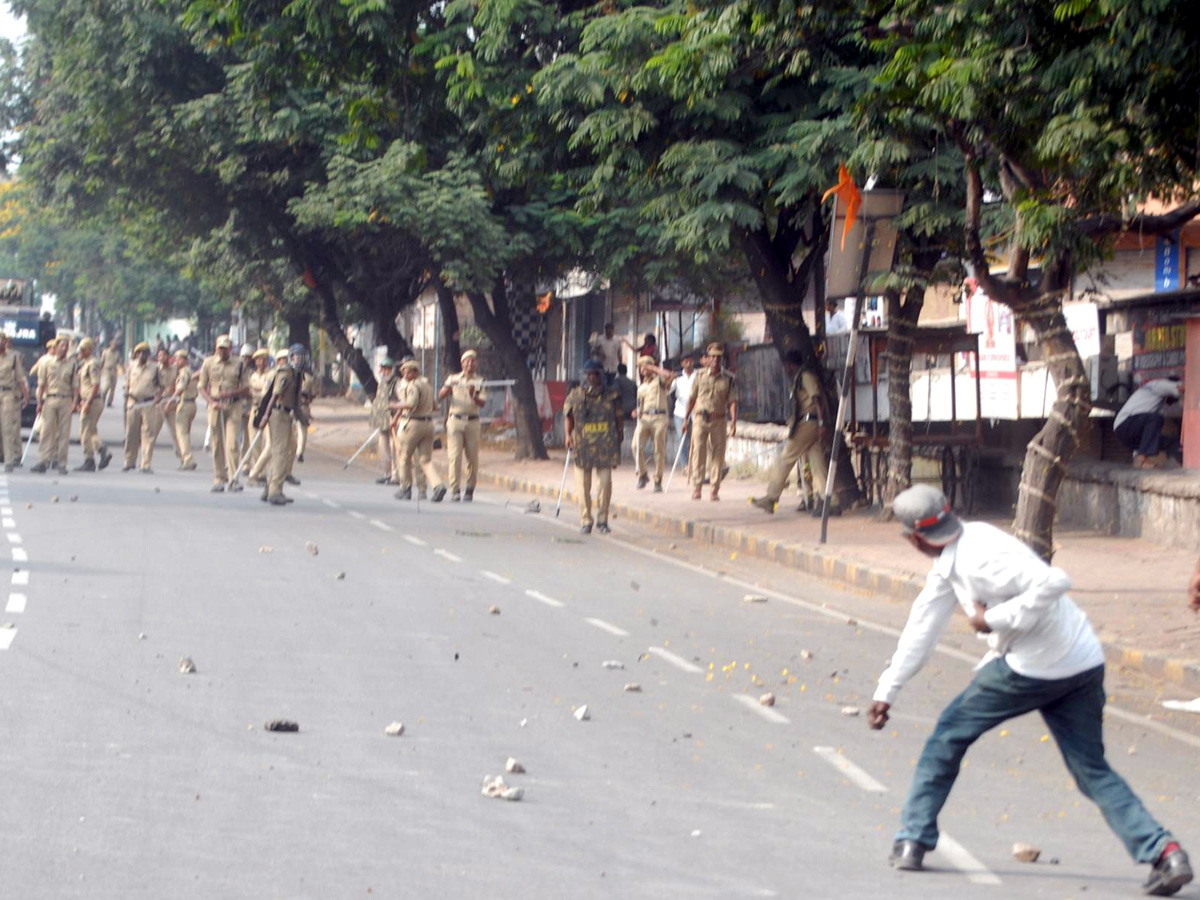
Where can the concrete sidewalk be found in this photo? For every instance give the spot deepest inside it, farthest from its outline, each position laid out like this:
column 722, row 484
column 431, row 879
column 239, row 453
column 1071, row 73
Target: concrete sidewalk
column 1132, row 590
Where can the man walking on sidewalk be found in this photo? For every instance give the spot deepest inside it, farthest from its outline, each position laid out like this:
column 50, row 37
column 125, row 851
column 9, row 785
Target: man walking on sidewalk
column 1042, row 655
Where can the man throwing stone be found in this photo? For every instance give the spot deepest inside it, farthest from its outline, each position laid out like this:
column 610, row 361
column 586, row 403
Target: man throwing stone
column 1042, row 655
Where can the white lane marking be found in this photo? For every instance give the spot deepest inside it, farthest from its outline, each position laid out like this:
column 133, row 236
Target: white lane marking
column 6, row 637
column 447, row 555
column 13, row 537
column 354, row 514
column 678, row 661
column 765, row 711
column 965, row 861
column 16, row 603
column 605, row 626
column 21, row 577
column 382, row 526
column 332, row 504
column 849, row 769
column 20, row 555
column 499, row 579
column 6, row 510
column 414, row 540
column 7, row 522
column 542, row 598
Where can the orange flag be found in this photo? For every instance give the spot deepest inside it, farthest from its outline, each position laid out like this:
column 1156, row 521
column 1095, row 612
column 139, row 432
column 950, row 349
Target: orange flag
column 543, row 302
column 850, row 197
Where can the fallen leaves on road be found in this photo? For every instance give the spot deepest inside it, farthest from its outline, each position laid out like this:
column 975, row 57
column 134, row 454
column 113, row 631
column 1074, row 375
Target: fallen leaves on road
column 1026, row 853
column 395, row 729
column 495, row 787
column 266, row 549
column 186, row 666
column 582, row 713
column 767, row 699
column 311, row 548
column 612, row 664
column 281, row 725
column 513, row 767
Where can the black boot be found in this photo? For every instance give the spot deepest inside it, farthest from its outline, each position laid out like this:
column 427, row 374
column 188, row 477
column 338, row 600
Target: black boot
column 469, row 495
column 1169, row 874
column 105, row 458
column 403, row 494
column 438, row 493
column 908, row 855
column 89, row 465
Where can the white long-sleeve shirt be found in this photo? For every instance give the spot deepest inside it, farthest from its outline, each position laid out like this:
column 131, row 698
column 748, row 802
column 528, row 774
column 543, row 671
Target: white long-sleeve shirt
column 1035, row 625
column 1150, row 397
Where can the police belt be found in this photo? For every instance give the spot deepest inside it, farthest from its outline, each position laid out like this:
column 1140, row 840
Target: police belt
column 418, row 418
column 149, row 399
column 286, row 409
column 5, row 390
column 56, row 396
column 808, row 417
column 464, row 416
column 654, row 412
column 709, row 417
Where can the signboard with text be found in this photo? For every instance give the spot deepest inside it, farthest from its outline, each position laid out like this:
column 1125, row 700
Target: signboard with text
column 994, row 324
column 1166, row 263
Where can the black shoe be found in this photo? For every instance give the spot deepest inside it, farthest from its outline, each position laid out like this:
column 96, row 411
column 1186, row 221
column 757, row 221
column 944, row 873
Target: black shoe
column 469, row 495
column 724, row 472
column 658, row 487
column 383, row 479
column 455, row 497
column 1169, row 874
column 586, row 529
column 438, row 493
column 61, row 470
column 643, row 480
column 39, row 468
column 88, row 465
column 263, row 496
column 105, row 458
column 8, row 467
column 287, row 499
column 603, row 528
column 403, row 494
column 300, row 458
column 257, row 482
column 146, row 470
column 277, row 500
column 707, row 481
column 291, row 479
column 216, row 488
column 187, row 467
column 234, row 487
column 834, row 511
column 908, row 855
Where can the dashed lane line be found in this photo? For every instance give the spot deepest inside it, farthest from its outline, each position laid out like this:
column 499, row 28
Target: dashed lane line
column 765, row 712
column 6, row 510
column 447, row 555
column 7, row 522
column 542, row 598
column 21, row 577
column 355, row 514
column 16, row 603
column 7, row 636
column 677, row 661
column 850, row 770
column 499, row 579
column 382, row 526
column 414, row 540
column 20, row 555
column 332, row 504
column 606, row 626
column 965, row 861
column 13, row 537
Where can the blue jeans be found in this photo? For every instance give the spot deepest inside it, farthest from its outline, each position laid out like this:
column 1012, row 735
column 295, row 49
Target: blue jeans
column 1072, row 708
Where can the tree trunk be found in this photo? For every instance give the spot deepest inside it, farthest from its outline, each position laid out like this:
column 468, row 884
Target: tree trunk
column 386, row 332
column 497, row 325
column 299, row 323
column 331, row 322
column 452, row 349
column 902, row 325
column 1051, row 449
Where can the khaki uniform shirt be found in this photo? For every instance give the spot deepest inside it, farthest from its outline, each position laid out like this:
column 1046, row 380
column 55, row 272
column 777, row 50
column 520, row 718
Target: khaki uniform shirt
column 89, row 378
column 109, row 360
column 185, row 383
column 418, row 394
column 166, row 377
column 12, row 373
column 142, row 381
column 460, row 386
column 713, row 393
column 221, row 379
column 258, row 384
column 652, row 397
column 57, row 378
column 285, row 391
column 37, row 366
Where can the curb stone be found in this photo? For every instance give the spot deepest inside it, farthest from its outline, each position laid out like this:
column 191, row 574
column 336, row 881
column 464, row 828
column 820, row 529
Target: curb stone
column 899, row 587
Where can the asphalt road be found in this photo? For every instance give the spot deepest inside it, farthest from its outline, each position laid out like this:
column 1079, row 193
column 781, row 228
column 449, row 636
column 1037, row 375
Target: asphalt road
column 125, row 778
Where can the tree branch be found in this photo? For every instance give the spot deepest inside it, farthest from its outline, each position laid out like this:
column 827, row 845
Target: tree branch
column 1104, row 225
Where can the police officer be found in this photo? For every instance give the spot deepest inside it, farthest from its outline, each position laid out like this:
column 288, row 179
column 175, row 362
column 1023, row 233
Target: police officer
column 412, row 409
column 245, row 435
column 143, row 389
column 110, row 359
column 277, row 412
column 224, row 385
column 90, row 403
column 807, row 433
column 260, row 380
column 163, row 412
column 595, row 432
column 308, row 390
column 653, row 419
column 298, row 359
column 381, row 418
column 467, row 396
column 56, row 400
column 185, row 409
column 14, row 385
column 712, row 401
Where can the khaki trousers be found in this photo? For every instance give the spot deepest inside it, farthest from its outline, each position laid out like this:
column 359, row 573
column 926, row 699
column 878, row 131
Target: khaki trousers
column 184, row 417
column 708, row 449
column 89, row 435
column 650, row 428
column 137, row 436
column 462, row 444
column 261, row 460
column 56, row 431
column 416, row 439
column 583, row 481
column 10, row 426
column 224, row 440
column 387, row 456
column 301, row 438
column 806, row 442
column 108, row 388
column 282, row 432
